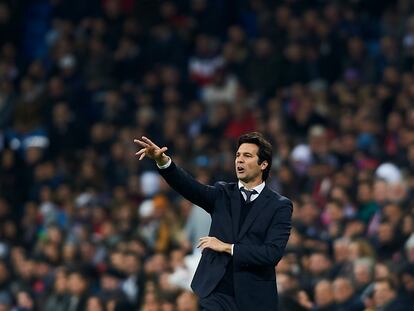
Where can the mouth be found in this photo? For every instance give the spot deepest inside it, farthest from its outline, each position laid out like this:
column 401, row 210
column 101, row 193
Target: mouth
column 240, row 169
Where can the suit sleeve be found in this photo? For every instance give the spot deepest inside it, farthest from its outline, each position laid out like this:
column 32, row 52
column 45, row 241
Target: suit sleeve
column 182, row 182
column 271, row 251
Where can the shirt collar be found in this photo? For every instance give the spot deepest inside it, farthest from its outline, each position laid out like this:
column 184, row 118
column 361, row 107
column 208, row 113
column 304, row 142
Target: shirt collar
column 258, row 188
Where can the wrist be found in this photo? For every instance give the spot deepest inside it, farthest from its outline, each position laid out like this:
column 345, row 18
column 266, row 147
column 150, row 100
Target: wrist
column 227, row 248
column 162, row 160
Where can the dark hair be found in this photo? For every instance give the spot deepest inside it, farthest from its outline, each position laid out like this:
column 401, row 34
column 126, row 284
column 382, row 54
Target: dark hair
column 265, row 149
column 391, row 284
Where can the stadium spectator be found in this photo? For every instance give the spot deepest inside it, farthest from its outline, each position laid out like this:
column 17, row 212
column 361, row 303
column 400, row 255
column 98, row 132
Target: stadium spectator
column 330, row 84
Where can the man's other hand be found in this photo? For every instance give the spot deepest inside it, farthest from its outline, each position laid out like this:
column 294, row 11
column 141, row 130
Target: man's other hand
column 214, row 244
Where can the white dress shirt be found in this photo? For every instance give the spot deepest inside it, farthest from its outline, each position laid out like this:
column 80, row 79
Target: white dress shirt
column 258, row 188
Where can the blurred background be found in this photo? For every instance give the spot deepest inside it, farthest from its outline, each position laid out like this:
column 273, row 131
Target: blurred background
column 84, row 226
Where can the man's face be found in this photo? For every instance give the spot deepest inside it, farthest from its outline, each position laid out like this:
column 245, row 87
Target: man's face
column 383, row 294
column 324, row 294
column 247, row 164
column 342, row 290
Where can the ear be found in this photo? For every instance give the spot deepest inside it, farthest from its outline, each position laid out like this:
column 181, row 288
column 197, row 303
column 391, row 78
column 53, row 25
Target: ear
column 263, row 165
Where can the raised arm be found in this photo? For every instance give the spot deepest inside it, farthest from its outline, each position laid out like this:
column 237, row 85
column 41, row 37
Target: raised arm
column 199, row 194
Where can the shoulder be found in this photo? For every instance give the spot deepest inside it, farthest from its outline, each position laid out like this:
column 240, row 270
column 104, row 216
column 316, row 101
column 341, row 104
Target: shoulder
column 398, row 304
column 280, row 199
column 225, row 185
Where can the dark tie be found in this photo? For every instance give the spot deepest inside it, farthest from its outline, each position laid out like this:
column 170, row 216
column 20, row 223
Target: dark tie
column 248, row 193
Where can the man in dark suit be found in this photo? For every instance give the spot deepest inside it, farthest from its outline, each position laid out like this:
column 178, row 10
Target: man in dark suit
column 249, row 230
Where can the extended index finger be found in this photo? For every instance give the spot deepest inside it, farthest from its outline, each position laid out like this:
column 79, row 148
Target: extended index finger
column 149, row 141
column 142, row 143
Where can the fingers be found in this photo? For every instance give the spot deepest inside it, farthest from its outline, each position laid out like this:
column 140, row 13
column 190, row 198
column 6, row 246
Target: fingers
column 204, row 242
column 149, row 142
column 141, row 151
column 149, row 149
column 142, row 143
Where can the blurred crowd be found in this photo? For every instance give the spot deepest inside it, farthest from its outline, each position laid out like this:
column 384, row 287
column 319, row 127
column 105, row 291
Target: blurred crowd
column 85, row 226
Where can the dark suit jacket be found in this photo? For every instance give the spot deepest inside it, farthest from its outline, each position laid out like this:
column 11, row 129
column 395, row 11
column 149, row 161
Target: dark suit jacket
column 258, row 245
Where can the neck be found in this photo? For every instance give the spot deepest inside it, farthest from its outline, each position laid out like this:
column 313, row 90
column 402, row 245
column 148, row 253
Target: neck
column 251, row 184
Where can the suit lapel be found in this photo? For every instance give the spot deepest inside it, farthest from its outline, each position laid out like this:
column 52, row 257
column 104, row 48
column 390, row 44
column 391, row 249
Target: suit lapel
column 258, row 206
column 235, row 209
